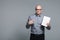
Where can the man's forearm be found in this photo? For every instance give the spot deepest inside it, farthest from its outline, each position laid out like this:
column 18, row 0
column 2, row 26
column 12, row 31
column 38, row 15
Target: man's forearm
column 28, row 25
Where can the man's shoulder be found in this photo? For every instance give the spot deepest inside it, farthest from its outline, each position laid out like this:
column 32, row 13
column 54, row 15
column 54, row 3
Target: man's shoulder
column 32, row 15
column 42, row 14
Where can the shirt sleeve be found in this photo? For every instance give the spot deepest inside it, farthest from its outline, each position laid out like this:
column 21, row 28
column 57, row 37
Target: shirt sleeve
column 27, row 25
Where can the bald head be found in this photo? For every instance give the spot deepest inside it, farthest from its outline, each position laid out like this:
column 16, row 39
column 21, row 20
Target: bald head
column 38, row 9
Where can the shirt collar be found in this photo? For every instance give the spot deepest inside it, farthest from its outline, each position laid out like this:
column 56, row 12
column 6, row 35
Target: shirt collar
column 38, row 15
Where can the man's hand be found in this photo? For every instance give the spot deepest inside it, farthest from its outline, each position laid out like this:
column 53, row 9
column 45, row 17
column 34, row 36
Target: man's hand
column 31, row 22
column 48, row 24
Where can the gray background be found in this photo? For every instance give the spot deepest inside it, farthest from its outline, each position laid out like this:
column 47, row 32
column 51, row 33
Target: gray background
column 14, row 14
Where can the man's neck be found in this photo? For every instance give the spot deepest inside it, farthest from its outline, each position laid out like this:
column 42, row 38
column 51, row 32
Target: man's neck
column 37, row 14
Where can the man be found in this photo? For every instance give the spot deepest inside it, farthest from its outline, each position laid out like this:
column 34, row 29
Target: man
column 34, row 21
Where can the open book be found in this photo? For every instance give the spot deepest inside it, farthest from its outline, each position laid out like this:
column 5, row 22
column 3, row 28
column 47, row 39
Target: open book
column 45, row 20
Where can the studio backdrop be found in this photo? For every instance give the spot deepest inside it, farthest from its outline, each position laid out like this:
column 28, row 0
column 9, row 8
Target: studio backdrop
column 14, row 15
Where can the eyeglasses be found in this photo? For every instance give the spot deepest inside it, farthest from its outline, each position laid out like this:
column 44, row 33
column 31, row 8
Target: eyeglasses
column 38, row 9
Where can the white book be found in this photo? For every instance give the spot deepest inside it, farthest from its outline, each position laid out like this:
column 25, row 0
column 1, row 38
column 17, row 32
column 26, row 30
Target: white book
column 45, row 20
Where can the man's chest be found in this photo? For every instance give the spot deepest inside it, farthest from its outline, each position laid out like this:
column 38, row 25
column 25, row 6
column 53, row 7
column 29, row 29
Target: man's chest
column 37, row 20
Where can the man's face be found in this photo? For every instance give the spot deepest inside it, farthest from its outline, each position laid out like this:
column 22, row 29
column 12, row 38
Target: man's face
column 38, row 10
